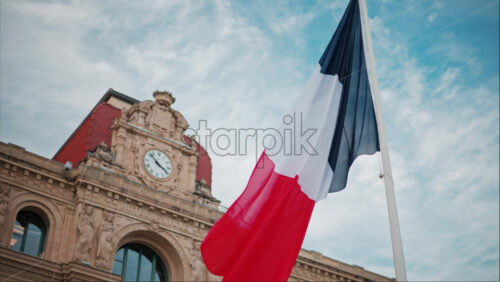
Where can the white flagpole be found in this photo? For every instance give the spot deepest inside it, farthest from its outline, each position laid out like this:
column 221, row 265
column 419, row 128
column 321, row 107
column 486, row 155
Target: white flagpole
column 397, row 246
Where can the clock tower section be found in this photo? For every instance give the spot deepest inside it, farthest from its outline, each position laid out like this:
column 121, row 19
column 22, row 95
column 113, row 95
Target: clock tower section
column 148, row 142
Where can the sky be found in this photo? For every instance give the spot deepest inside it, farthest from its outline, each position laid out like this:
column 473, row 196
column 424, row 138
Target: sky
column 241, row 64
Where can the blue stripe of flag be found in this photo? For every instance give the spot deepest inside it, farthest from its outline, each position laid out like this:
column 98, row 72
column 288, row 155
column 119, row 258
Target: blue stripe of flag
column 356, row 129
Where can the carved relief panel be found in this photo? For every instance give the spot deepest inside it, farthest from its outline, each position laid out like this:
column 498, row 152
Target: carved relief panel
column 198, row 267
column 86, row 233
column 4, row 203
column 105, row 240
column 159, row 117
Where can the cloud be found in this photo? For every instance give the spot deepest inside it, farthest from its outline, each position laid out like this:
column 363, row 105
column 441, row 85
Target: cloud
column 289, row 23
column 432, row 17
column 234, row 71
column 445, row 154
column 447, row 81
column 462, row 53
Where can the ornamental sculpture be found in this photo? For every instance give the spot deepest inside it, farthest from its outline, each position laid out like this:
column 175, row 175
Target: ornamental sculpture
column 86, row 233
column 196, row 263
column 103, row 154
column 105, row 244
column 4, row 204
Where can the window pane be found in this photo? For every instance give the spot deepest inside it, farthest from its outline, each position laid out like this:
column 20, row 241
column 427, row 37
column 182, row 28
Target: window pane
column 118, row 261
column 119, row 255
column 117, row 267
column 33, row 240
column 146, row 265
column 160, row 271
column 156, row 277
column 17, row 233
column 132, row 265
column 15, row 242
column 163, row 277
column 19, row 227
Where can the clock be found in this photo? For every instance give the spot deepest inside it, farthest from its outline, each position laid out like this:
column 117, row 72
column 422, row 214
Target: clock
column 157, row 164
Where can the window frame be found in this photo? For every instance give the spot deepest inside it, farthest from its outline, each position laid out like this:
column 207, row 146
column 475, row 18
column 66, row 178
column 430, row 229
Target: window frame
column 31, row 217
column 141, row 248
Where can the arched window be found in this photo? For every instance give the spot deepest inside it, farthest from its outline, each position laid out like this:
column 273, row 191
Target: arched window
column 138, row 263
column 29, row 233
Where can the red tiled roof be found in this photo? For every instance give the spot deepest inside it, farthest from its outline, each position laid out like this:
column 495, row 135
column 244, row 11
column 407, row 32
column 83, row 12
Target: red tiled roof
column 204, row 168
column 93, row 130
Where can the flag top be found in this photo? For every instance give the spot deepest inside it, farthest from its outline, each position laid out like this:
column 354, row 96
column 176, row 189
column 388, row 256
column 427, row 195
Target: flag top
column 356, row 127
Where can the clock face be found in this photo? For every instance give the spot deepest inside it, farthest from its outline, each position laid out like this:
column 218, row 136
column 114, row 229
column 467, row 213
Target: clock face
column 157, row 164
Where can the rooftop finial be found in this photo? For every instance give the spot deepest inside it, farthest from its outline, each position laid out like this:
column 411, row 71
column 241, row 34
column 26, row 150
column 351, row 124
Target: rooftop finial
column 164, row 97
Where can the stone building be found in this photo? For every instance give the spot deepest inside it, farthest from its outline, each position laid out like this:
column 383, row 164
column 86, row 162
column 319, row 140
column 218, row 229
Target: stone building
column 128, row 196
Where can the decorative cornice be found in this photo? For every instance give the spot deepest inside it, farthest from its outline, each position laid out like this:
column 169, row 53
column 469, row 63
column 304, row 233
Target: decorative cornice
column 31, row 179
column 318, row 267
column 146, row 212
column 121, row 194
column 27, row 267
column 149, row 133
column 23, row 264
column 15, row 166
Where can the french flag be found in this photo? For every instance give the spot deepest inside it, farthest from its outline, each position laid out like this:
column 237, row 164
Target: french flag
column 260, row 235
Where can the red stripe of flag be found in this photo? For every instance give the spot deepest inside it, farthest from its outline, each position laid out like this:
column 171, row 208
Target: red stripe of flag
column 260, row 236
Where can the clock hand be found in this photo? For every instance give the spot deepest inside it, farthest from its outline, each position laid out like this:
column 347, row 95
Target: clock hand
column 159, row 165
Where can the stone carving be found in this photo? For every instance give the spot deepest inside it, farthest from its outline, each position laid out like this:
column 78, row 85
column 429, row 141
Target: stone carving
column 139, row 114
column 161, row 117
column 86, row 233
column 158, row 116
column 4, row 203
column 103, row 153
column 155, row 226
column 196, row 264
column 202, row 189
column 149, row 114
column 123, row 149
column 181, row 122
column 105, row 241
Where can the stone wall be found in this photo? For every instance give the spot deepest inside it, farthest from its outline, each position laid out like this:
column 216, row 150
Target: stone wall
column 92, row 211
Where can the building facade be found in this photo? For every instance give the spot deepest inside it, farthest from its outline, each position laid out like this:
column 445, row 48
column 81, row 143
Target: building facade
column 127, row 197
